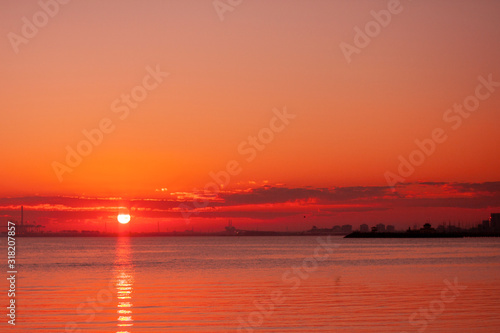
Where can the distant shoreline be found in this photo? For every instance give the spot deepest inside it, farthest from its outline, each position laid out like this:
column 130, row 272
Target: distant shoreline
column 416, row 234
column 179, row 234
column 355, row 234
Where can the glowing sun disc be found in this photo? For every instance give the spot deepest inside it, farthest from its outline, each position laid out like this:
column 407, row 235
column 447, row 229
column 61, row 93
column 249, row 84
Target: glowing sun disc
column 123, row 218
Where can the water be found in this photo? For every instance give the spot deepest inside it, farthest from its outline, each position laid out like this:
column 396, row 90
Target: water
column 256, row 284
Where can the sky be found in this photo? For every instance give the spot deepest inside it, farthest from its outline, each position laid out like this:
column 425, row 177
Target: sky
column 275, row 114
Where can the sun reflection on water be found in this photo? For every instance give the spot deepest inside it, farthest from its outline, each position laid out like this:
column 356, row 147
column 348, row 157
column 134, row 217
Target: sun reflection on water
column 124, row 284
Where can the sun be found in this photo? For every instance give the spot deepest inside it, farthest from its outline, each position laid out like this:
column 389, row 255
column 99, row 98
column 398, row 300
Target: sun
column 123, row 218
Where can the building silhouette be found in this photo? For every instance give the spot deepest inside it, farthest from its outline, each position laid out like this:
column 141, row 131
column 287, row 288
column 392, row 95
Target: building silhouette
column 347, row 228
column 485, row 225
column 495, row 221
column 364, row 228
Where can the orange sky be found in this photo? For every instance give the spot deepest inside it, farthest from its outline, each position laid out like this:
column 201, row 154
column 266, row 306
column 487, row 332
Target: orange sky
column 351, row 120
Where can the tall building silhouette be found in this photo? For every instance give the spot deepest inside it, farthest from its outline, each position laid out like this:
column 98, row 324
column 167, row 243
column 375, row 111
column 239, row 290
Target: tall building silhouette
column 495, row 221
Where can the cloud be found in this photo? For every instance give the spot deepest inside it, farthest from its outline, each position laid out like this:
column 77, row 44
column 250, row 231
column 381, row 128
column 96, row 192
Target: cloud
column 266, row 202
column 268, row 194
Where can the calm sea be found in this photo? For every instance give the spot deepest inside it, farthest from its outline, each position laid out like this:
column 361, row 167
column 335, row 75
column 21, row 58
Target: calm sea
column 255, row 284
